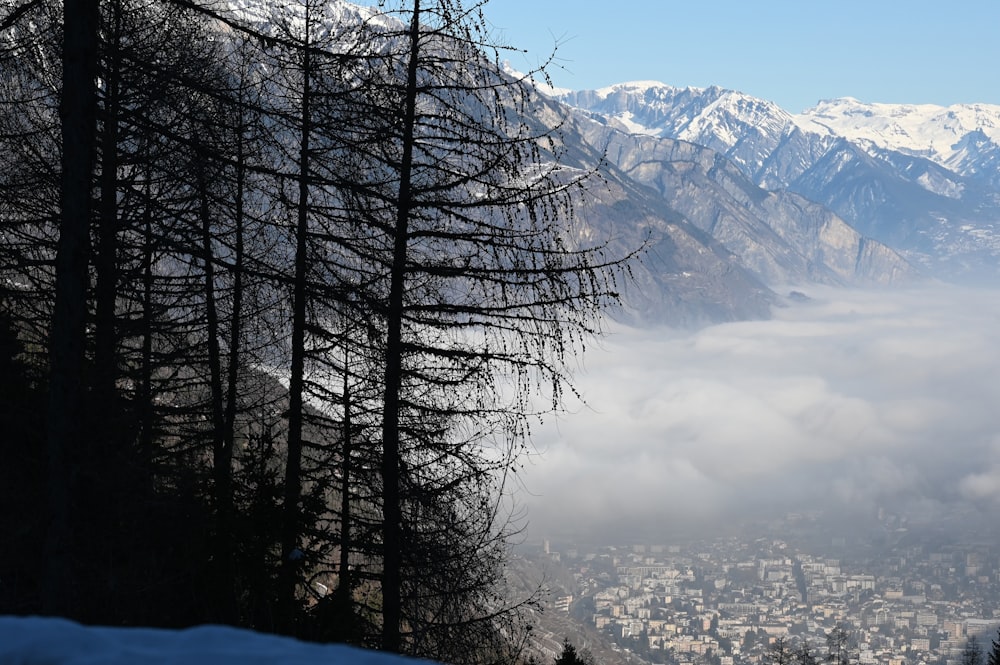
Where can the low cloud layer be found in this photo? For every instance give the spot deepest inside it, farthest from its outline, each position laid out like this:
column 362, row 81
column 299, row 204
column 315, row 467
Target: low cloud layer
column 850, row 402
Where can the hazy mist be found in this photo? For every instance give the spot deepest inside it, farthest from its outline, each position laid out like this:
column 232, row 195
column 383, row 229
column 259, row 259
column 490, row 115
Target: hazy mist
column 853, row 401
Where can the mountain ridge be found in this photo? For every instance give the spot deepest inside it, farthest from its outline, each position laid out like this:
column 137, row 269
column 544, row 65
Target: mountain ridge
column 920, row 178
column 922, row 130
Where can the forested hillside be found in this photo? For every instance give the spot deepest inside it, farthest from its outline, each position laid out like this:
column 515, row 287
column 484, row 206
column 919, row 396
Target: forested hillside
column 282, row 290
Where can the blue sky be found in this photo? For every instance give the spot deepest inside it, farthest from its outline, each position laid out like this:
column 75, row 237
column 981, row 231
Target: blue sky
column 792, row 52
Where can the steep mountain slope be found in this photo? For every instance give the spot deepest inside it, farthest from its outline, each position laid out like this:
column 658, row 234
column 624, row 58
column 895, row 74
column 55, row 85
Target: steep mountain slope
column 920, row 178
column 712, row 226
column 684, row 276
column 782, row 237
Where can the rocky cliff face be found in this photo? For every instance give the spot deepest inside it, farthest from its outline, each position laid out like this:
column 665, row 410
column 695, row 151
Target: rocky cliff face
column 682, row 276
column 781, row 237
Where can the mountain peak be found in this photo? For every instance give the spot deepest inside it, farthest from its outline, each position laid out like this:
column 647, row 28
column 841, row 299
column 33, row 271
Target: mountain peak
column 715, row 117
column 634, row 86
column 916, row 129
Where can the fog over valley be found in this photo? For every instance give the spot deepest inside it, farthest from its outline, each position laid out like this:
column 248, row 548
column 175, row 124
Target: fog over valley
column 845, row 403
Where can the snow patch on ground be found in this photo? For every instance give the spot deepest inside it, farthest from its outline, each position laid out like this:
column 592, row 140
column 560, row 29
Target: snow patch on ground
column 48, row 641
column 940, row 186
column 627, row 121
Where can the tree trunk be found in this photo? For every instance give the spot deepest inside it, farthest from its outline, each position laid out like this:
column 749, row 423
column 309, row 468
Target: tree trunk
column 223, row 462
column 291, row 523
column 145, row 407
column 222, row 568
column 392, row 514
column 78, row 113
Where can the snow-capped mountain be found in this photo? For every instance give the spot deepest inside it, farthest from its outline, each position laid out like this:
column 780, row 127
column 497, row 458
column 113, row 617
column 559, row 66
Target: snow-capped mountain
column 938, row 133
column 723, row 120
column 952, row 136
column 920, row 178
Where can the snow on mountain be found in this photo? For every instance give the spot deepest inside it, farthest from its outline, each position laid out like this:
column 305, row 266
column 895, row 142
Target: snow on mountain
column 716, row 115
column 657, row 109
column 743, row 128
column 540, row 85
column 280, row 18
column 924, row 130
column 963, row 138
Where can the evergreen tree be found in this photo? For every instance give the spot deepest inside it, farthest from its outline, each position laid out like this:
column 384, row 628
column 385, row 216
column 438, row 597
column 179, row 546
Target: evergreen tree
column 22, row 474
column 993, row 657
column 805, row 656
column 780, row 652
column 838, row 645
column 569, row 655
column 972, row 654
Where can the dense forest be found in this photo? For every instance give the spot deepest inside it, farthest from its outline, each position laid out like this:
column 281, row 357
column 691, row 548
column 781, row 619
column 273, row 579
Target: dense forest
column 283, row 289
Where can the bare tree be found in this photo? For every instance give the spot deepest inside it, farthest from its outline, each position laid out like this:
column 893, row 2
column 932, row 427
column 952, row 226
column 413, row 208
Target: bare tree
column 383, row 219
column 487, row 293
column 804, row 655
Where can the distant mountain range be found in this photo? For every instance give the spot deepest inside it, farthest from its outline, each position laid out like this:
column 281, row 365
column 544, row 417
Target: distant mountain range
column 923, row 180
column 721, row 241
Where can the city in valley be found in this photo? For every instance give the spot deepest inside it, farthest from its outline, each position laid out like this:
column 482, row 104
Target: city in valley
column 893, row 597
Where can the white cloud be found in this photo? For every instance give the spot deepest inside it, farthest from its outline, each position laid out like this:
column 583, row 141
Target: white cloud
column 854, row 400
column 983, row 485
column 978, row 486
